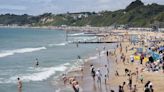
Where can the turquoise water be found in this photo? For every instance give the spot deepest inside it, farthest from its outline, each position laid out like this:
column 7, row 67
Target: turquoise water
column 20, row 47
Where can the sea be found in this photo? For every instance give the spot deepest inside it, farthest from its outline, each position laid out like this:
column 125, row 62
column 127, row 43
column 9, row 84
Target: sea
column 56, row 54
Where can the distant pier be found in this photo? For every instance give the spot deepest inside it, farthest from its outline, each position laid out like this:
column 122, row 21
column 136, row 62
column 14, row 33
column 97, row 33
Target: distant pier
column 95, row 42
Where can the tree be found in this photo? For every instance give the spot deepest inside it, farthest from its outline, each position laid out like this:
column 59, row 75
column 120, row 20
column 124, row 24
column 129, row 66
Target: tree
column 135, row 4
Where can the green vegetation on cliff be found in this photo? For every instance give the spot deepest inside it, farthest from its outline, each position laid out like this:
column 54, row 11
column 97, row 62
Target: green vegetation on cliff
column 136, row 14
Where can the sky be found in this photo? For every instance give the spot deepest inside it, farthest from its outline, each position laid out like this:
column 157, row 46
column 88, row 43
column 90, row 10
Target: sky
column 37, row 7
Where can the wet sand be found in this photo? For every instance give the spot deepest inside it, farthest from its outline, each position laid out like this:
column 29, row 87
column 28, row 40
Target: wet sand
column 90, row 85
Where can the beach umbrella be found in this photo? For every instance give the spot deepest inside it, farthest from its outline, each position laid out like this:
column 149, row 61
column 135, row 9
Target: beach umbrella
column 155, row 56
column 149, row 52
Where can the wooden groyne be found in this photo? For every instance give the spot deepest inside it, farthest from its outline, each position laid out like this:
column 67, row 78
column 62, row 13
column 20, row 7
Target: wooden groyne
column 95, row 42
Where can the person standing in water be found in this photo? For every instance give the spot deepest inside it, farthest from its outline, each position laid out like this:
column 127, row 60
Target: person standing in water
column 37, row 62
column 19, row 85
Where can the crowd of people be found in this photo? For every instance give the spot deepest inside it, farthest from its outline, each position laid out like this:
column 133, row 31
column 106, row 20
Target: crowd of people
column 152, row 60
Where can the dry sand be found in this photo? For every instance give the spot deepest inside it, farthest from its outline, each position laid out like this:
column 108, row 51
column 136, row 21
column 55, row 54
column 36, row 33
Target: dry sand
column 157, row 78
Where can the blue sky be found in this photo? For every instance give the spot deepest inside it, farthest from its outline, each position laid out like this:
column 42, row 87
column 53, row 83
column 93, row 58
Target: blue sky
column 35, row 7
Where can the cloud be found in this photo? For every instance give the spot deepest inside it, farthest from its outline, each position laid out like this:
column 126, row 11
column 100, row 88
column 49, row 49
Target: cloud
column 36, row 7
column 12, row 7
column 104, row 1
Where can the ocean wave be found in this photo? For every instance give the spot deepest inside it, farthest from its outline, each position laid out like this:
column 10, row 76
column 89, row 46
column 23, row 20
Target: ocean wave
column 92, row 58
column 84, row 38
column 60, row 44
column 23, row 50
column 58, row 90
column 40, row 75
column 67, row 64
column 43, row 75
column 76, row 34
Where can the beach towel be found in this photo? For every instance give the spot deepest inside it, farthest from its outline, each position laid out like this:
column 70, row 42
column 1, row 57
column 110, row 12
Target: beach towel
column 136, row 57
column 146, row 59
column 133, row 51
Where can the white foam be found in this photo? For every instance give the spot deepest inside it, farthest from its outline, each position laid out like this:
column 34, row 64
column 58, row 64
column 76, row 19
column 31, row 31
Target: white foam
column 59, row 44
column 58, row 90
column 84, row 38
column 92, row 57
column 45, row 74
column 4, row 54
column 76, row 34
column 67, row 64
column 23, row 50
column 102, row 53
column 42, row 74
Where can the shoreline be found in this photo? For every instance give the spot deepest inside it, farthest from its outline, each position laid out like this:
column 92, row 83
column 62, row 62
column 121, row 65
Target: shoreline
column 84, row 28
column 115, row 81
column 82, row 77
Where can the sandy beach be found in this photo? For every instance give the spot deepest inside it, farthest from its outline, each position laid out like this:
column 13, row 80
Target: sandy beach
column 155, row 77
column 87, row 84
